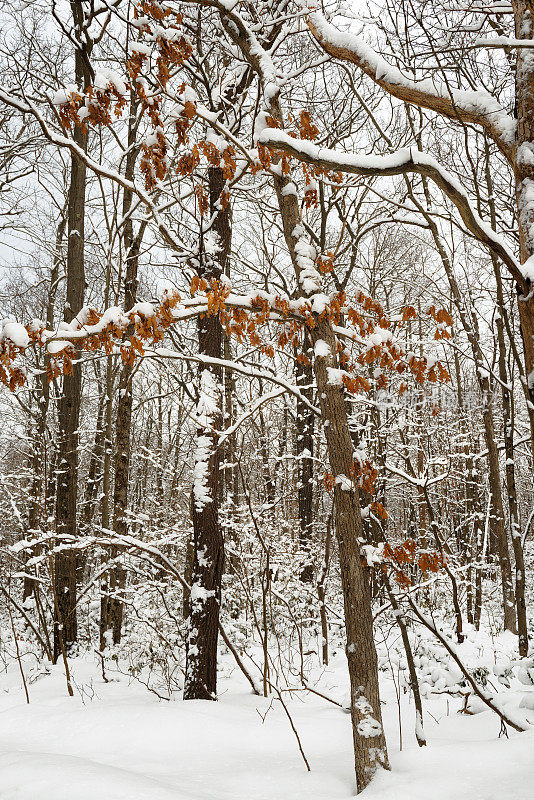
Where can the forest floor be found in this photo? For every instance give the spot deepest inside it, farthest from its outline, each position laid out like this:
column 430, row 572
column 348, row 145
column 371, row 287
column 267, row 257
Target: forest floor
column 117, row 741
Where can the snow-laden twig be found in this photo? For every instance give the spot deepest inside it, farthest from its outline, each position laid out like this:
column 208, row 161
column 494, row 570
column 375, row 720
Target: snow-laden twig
column 515, row 722
column 405, row 160
column 149, row 552
column 473, row 106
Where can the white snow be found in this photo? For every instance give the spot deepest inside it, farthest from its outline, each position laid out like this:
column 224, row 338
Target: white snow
column 373, row 555
column 56, row 346
column 201, row 472
column 108, row 77
column 118, row 742
column 140, row 47
column 405, row 159
column 207, row 408
column 61, row 96
column 335, row 376
column 473, row 101
column 15, row 332
column 321, row 349
column 344, row 483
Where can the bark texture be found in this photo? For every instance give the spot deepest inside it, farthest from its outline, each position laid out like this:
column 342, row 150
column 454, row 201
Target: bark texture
column 305, row 435
column 65, row 562
column 208, row 544
column 112, row 606
column 369, row 740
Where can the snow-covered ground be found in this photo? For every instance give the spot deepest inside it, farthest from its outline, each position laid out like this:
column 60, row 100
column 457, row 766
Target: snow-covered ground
column 117, row 741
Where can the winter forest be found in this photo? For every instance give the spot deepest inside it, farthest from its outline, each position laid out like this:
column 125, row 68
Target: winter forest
column 267, row 399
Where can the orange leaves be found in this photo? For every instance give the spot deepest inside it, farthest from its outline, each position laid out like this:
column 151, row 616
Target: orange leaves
column 443, row 374
column 212, row 154
column 68, row 111
column 378, row 509
column 441, row 316
column 202, row 199
column 405, row 555
column 310, row 197
column 61, row 363
column 198, row 284
column 217, row 296
column 328, row 481
column 264, row 160
column 11, row 375
column 229, row 162
column 271, row 122
column 184, row 120
column 174, row 50
column 171, row 49
column 307, row 129
column 166, row 49
column 289, row 335
column 356, row 384
column 95, row 107
column 364, row 475
column 355, row 318
column 325, row 263
column 143, row 324
column 282, row 305
column 189, row 161
column 401, row 554
column 430, row 561
column 334, row 309
column 264, row 310
column 151, row 8
column 443, row 320
column 422, row 369
column 371, row 307
column 136, row 62
column 369, row 319
column 153, row 163
column 169, row 301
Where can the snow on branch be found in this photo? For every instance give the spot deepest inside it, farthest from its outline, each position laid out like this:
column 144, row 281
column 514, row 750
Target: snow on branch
column 476, row 107
column 207, row 411
column 62, row 141
column 405, row 160
column 243, row 369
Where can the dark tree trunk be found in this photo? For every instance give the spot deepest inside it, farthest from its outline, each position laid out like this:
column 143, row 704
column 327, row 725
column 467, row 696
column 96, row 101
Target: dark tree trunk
column 112, row 605
column 65, row 562
column 304, row 432
column 208, row 544
column 38, row 510
column 508, row 430
column 369, row 741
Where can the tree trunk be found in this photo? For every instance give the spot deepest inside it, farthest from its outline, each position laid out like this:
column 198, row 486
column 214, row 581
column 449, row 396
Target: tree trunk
column 112, row 605
column 304, row 433
column 40, row 463
column 370, row 749
column 369, row 741
column 65, row 562
column 208, row 544
column 524, row 177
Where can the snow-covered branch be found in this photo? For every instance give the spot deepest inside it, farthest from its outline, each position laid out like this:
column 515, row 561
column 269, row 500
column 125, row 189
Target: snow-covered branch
column 476, row 107
column 403, row 161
